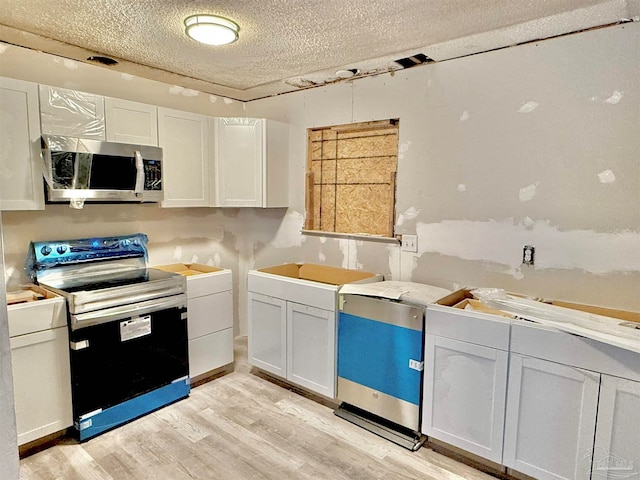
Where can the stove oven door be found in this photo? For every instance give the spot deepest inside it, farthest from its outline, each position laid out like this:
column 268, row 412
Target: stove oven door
column 127, row 361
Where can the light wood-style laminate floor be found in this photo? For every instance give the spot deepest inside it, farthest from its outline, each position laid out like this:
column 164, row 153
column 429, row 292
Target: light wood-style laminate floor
column 241, row 426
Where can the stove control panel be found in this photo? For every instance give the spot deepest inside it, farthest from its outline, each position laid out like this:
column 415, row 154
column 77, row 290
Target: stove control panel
column 87, row 249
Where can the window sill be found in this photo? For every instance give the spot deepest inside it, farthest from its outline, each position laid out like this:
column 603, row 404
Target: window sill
column 356, row 236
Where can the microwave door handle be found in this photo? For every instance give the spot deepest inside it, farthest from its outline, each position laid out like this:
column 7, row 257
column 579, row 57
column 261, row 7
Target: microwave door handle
column 139, row 189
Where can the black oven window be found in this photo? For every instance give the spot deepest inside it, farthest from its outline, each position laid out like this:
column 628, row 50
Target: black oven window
column 113, row 173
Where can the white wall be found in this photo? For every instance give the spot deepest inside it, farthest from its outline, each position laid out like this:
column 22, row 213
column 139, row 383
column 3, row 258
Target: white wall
column 532, row 145
column 497, row 150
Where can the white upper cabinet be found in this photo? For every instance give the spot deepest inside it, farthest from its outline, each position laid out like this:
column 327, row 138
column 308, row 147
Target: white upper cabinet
column 184, row 138
column 21, row 185
column 131, row 122
column 71, row 113
column 251, row 162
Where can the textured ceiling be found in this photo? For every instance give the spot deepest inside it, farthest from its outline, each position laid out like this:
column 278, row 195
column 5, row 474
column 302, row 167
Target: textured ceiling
column 288, row 44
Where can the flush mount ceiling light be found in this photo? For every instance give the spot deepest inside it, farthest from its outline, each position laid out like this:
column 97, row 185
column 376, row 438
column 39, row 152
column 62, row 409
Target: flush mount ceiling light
column 211, row 29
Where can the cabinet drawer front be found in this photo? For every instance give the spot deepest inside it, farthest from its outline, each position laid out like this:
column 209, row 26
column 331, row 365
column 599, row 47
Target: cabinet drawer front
column 550, row 344
column 209, row 352
column 210, row 313
column 473, row 327
column 208, row 283
column 36, row 316
column 305, row 292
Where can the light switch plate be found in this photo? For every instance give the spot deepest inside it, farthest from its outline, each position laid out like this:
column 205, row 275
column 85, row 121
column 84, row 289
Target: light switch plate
column 410, row 243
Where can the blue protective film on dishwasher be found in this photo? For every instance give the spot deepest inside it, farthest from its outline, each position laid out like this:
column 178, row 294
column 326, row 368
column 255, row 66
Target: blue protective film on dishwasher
column 56, row 253
column 376, row 355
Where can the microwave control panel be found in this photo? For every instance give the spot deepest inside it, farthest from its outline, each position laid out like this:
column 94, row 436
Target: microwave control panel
column 152, row 175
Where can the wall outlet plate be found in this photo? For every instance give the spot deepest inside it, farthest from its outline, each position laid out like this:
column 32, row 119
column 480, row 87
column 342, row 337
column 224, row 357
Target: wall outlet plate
column 410, row 243
column 528, row 254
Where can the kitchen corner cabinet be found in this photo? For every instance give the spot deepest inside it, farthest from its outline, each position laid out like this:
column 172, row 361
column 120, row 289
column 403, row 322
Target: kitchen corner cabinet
column 465, row 379
column 617, row 448
column 39, row 345
column 251, row 162
column 210, row 316
column 21, row 183
column 131, row 122
column 292, row 322
column 184, row 138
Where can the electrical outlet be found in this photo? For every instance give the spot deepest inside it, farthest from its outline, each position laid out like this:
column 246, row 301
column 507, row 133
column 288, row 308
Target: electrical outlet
column 528, row 254
column 410, row 243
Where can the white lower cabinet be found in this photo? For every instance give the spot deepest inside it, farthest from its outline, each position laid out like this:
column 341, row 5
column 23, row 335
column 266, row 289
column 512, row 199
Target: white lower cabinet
column 39, row 344
column 551, row 419
column 465, row 379
column 617, row 449
column 210, row 316
column 293, row 341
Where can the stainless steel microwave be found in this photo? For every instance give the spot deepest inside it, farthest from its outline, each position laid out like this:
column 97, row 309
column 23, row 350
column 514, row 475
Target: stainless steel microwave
column 95, row 171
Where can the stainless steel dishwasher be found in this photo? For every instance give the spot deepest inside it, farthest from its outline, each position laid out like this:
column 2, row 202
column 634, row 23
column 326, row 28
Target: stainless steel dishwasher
column 380, row 358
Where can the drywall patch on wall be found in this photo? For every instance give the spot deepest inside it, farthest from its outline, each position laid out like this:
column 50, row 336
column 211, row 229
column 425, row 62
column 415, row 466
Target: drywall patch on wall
column 213, row 98
column 528, row 107
column 288, row 234
column 228, row 101
column 461, row 187
column 403, row 148
column 177, row 253
column 395, row 265
column 322, row 257
column 615, row 97
column 607, row 176
column 194, row 259
column 3, row 48
column 464, row 117
column 126, row 76
column 70, row 64
column 501, row 242
column 409, row 214
column 527, row 193
column 343, row 244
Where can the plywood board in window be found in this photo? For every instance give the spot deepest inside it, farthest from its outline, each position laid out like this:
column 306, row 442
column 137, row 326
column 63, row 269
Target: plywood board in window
column 316, row 169
column 363, row 209
column 365, row 170
column 378, row 146
column 327, row 209
column 328, row 171
column 328, row 134
column 317, row 190
column 315, row 135
column 370, row 133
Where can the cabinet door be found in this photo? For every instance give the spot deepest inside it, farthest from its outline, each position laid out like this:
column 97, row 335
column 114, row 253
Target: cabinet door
column 551, row 419
column 465, row 388
column 617, row 449
column 131, row 122
column 184, row 139
column 71, row 113
column 239, row 157
column 21, row 185
column 268, row 333
column 42, row 383
column 311, row 354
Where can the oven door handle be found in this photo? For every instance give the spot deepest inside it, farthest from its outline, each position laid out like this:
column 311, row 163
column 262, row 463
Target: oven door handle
column 122, row 312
